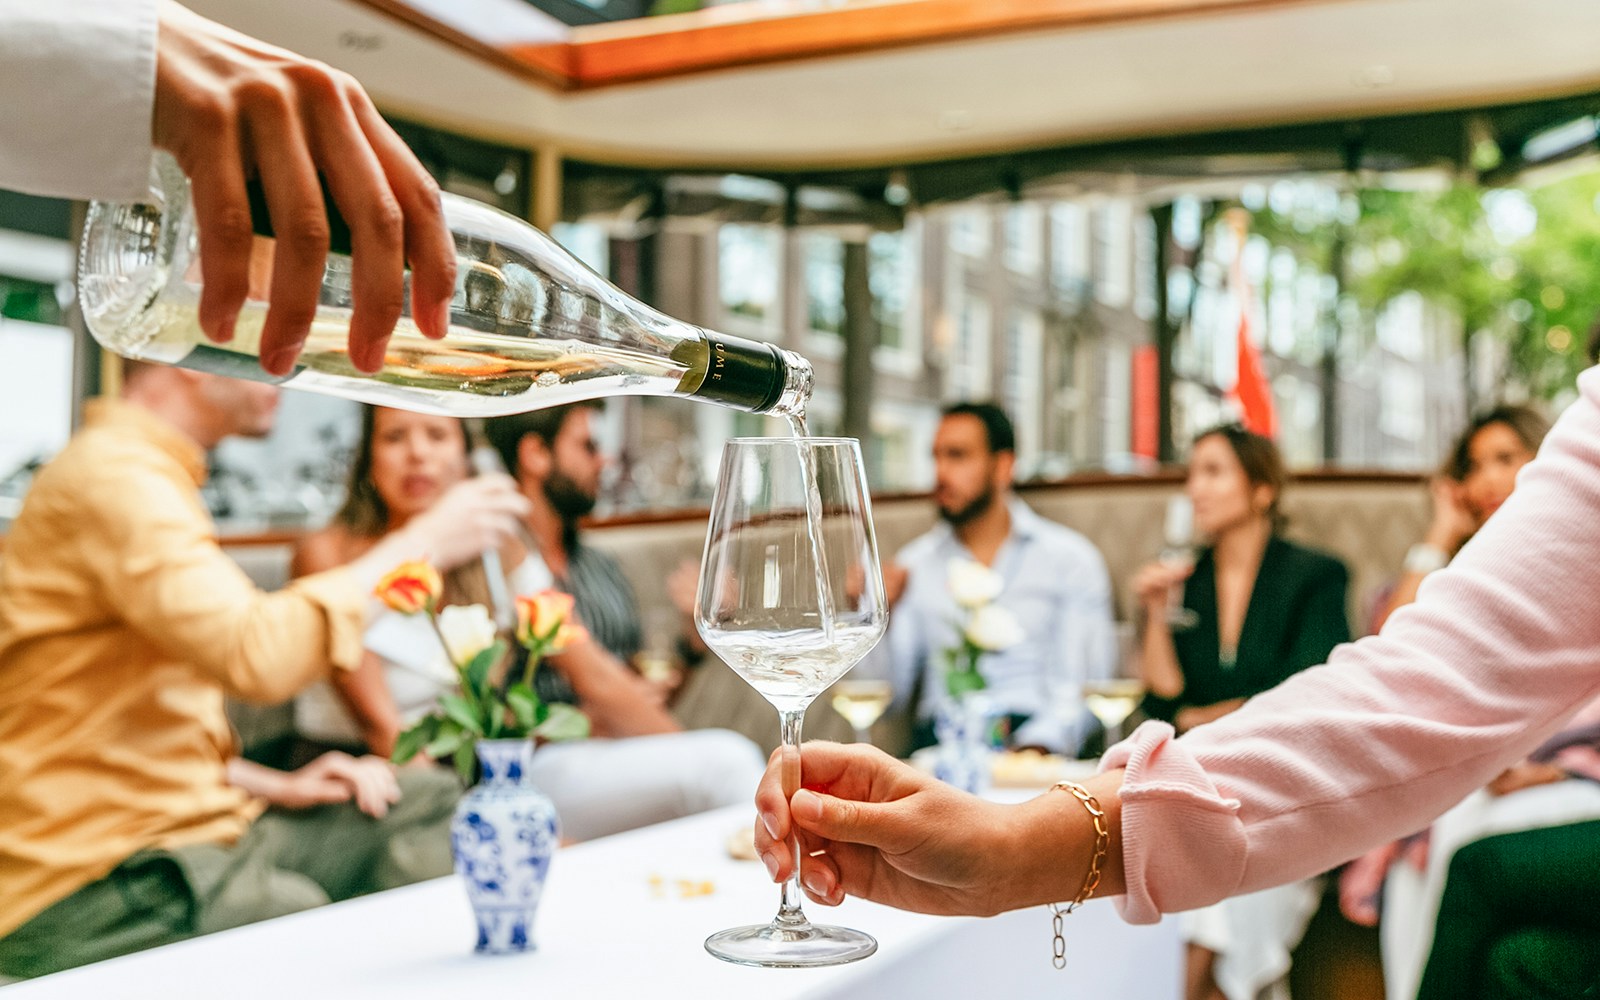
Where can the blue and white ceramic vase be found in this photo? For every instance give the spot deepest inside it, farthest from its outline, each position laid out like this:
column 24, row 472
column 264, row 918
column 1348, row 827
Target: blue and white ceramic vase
column 503, row 835
column 964, row 727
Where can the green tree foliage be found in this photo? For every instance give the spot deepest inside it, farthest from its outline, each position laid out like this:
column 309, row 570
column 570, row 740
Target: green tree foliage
column 1518, row 265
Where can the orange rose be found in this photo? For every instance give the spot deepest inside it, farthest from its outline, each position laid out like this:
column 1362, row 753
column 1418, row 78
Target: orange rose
column 410, row 587
column 543, row 618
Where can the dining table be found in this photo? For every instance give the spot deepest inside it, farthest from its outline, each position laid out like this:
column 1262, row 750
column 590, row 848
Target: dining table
column 625, row 916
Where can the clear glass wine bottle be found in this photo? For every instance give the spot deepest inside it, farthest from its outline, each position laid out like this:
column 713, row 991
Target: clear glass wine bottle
column 530, row 325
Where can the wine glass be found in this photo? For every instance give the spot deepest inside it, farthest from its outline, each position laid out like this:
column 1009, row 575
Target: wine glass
column 862, row 703
column 1112, row 700
column 790, row 522
column 1178, row 553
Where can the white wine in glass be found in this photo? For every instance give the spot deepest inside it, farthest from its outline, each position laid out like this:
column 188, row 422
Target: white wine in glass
column 791, row 522
column 1112, row 701
column 862, row 703
column 1179, row 553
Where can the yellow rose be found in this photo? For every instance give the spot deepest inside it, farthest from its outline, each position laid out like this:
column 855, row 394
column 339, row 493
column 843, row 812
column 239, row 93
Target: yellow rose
column 545, row 617
column 410, row 587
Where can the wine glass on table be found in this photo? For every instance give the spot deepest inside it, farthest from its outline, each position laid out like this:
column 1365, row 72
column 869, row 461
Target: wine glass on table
column 862, row 703
column 791, row 520
column 1111, row 701
column 1178, row 553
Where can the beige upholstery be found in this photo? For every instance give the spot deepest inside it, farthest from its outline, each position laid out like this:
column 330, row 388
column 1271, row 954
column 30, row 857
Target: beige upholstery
column 1368, row 524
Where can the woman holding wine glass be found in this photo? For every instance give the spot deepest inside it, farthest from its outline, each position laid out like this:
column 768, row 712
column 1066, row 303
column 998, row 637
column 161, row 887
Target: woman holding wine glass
column 1262, row 609
column 1500, row 649
column 408, row 464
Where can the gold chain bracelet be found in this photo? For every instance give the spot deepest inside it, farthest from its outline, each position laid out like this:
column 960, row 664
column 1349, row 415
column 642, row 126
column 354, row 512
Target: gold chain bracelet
column 1091, row 881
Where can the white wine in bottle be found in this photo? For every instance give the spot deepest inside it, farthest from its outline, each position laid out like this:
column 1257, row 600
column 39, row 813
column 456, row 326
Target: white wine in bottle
column 530, row 325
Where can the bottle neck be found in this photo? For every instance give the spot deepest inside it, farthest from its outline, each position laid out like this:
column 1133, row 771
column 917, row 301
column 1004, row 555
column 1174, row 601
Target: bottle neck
column 753, row 376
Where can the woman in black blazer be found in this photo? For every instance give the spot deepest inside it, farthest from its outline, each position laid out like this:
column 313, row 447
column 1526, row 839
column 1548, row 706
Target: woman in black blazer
column 1264, row 609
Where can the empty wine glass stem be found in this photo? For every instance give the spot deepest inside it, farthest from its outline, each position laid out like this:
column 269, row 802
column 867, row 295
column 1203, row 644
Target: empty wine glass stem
column 789, row 911
column 863, row 734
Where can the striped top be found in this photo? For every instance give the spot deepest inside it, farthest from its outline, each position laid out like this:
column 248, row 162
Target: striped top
column 606, row 606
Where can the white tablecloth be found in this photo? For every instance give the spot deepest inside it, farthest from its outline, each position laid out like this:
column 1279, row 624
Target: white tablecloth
column 616, row 922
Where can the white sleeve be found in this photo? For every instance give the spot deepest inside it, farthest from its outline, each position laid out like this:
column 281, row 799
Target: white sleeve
column 77, row 86
column 530, row 576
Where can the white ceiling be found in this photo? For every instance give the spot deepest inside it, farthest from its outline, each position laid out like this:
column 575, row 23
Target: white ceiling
column 1297, row 62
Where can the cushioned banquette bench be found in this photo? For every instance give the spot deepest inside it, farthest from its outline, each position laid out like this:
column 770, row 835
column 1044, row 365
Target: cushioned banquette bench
column 1368, row 520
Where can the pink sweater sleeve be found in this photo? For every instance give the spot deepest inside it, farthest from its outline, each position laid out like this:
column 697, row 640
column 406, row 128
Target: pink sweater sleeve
column 1499, row 650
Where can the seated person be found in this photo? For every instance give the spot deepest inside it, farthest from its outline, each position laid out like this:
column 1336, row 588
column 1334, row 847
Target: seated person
column 1415, row 874
column 1517, row 920
column 127, row 819
column 1478, row 477
column 1265, row 609
column 1055, row 583
column 645, row 770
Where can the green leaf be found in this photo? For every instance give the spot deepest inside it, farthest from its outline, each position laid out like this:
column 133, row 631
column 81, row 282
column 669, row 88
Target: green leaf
column 415, row 738
column 450, row 739
column 460, row 712
column 563, row 723
column 962, row 682
column 524, row 706
column 478, row 668
column 466, row 764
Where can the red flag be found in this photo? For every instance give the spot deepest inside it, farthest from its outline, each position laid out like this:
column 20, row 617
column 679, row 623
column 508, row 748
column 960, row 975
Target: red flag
column 1252, row 390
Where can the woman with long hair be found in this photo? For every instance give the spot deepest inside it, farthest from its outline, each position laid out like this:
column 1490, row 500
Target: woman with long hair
column 1478, row 476
column 405, row 463
column 410, row 463
column 1432, row 884
column 1264, row 609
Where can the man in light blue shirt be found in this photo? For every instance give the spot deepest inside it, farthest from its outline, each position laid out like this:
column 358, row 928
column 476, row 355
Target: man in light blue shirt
column 1055, row 584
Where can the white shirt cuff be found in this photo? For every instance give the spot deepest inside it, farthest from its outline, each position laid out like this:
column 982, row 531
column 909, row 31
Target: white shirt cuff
column 79, row 80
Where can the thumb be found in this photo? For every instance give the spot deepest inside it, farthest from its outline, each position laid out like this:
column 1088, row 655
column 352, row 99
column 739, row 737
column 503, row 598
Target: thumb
column 875, row 824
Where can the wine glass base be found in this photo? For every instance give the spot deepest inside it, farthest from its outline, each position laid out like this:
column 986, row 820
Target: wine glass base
column 801, row 946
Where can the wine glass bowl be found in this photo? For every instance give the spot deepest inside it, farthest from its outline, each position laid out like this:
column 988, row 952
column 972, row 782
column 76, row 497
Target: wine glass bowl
column 862, row 703
column 1178, row 553
column 791, row 597
column 1112, row 701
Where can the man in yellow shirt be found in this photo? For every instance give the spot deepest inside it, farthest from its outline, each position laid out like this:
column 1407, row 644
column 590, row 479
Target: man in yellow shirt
column 126, row 818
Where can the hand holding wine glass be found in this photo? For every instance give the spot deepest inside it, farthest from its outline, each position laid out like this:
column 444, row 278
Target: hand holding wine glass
column 1178, row 556
column 791, row 524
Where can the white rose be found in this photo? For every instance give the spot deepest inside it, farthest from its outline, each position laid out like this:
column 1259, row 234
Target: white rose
column 467, row 630
column 993, row 629
column 973, row 584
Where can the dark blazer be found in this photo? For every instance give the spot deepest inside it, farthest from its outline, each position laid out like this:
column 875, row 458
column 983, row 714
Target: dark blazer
column 1296, row 616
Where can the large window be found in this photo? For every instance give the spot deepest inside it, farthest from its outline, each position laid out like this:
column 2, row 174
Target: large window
column 969, row 231
column 823, row 254
column 1024, row 365
column 36, row 384
column 1113, row 252
column 890, row 274
column 1069, row 249
column 971, row 351
column 747, row 271
column 1024, row 233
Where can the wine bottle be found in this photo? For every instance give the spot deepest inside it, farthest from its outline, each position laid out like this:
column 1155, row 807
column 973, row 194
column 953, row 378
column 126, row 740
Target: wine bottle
column 530, row 325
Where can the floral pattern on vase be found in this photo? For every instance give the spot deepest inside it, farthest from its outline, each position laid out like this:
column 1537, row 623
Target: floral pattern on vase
column 503, row 835
column 964, row 727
